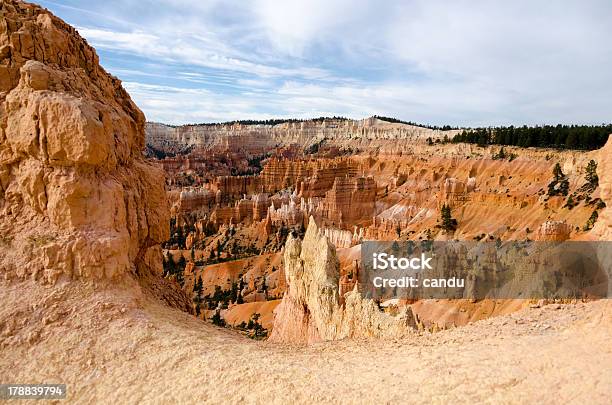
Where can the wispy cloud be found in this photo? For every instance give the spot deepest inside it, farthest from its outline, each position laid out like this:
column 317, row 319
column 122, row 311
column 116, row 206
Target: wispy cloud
column 188, row 51
column 464, row 62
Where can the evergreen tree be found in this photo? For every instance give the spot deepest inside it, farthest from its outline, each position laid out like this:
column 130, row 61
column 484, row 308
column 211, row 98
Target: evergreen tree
column 591, row 176
column 180, row 239
column 557, row 172
column 198, row 286
column 547, row 136
column 591, row 221
column 560, row 183
column 217, row 320
column 570, row 203
column 255, row 326
column 447, row 221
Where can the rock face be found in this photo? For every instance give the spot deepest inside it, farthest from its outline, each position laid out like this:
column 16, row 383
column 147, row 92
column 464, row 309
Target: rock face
column 368, row 133
column 454, row 192
column 77, row 198
column 311, row 309
column 603, row 227
column 350, row 199
column 553, row 231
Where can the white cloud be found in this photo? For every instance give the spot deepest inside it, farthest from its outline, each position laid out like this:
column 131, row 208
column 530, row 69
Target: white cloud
column 187, row 51
column 293, row 25
column 461, row 62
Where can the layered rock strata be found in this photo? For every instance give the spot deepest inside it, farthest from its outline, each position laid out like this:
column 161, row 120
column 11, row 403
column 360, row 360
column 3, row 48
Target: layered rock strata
column 369, row 133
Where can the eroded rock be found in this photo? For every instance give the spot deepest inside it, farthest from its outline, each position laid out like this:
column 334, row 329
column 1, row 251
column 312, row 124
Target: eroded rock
column 603, row 228
column 77, row 199
column 311, row 309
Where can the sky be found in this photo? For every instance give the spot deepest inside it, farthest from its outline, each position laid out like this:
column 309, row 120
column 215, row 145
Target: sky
column 461, row 62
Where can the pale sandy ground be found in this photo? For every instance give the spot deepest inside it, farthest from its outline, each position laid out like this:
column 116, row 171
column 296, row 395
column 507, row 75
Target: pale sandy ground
column 111, row 348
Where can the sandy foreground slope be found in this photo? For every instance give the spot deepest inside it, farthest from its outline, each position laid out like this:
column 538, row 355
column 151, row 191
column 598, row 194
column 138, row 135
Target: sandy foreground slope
column 110, row 346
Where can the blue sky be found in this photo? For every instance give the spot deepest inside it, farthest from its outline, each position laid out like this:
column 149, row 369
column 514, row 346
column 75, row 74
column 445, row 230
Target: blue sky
column 463, row 62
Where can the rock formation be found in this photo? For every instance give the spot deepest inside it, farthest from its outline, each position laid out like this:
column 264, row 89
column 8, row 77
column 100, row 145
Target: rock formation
column 311, row 309
column 455, row 192
column 77, row 198
column 350, row 199
column 368, row 133
column 553, row 231
column 603, row 227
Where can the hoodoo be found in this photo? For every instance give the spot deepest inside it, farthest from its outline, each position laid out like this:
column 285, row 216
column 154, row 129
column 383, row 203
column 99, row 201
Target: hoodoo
column 311, row 311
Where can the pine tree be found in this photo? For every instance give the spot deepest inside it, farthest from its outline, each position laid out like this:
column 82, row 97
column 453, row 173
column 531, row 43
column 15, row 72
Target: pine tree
column 217, row 320
column 560, row 183
column 255, row 326
column 557, row 172
column 591, row 175
column 198, row 286
column 448, row 223
column 501, row 155
column 591, row 221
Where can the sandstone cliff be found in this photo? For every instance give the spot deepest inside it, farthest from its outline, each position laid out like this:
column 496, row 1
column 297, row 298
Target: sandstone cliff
column 77, row 198
column 311, row 309
column 603, row 227
column 367, row 134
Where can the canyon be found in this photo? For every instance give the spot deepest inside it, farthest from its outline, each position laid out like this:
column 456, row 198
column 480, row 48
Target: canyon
column 374, row 195
column 224, row 259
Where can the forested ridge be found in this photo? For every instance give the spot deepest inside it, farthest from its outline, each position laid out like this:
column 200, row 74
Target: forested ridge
column 587, row 137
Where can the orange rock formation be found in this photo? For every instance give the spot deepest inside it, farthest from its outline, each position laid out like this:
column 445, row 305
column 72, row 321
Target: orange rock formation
column 76, row 196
